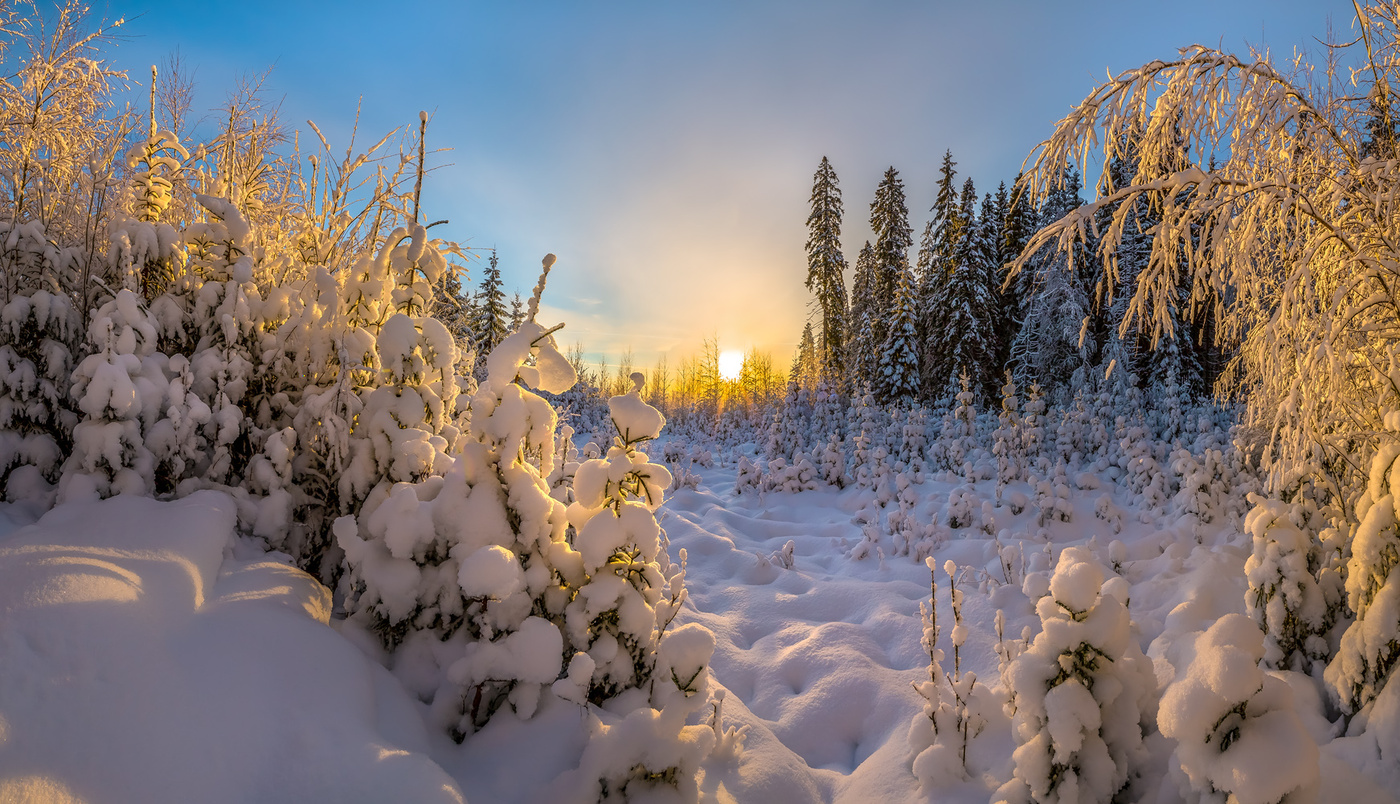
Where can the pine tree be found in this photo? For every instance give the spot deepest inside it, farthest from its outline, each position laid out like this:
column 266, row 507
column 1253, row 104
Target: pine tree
column 1021, row 223
column 806, row 365
column 889, row 220
column 966, row 320
column 491, row 321
column 1082, row 692
column 1380, row 141
column 826, row 268
column 861, row 344
column 517, row 312
column 936, row 260
column 897, row 377
column 1047, row 348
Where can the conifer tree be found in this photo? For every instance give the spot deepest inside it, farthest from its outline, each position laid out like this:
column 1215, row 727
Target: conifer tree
column 1170, row 366
column 1380, row 140
column 517, row 312
column 889, row 220
column 806, row 367
column 826, row 267
column 861, row 344
column 38, row 333
column 1021, row 223
column 1047, row 348
column 936, row 264
column 898, row 373
column 454, row 308
column 1003, row 295
column 961, row 337
column 490, row 309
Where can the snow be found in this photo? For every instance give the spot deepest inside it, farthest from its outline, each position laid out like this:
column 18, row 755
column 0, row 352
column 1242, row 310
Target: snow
column 153, row 657
column 149, row 654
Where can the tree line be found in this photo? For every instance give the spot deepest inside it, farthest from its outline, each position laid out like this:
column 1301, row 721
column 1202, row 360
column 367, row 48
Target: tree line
column 912, row 330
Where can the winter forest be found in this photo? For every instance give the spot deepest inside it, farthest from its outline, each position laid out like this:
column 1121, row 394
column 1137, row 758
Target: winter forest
column 1086, row 493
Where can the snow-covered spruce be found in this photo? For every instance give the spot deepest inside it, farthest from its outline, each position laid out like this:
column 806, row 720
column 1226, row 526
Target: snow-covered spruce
column 227, row 312
column 1006, row 445
column 1082, row 693
column 459, row 573
column 1370, row 647
column 748, row 477
column 1293, row 599
column 492, row 592
column 37, row 416
column 119, row 388
column 146, row 252
column 1239, row 739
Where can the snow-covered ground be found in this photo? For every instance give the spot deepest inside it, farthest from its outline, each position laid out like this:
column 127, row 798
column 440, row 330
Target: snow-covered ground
column 147, row 654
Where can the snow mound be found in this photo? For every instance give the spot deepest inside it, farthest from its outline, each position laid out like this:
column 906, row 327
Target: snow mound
column 143, row 662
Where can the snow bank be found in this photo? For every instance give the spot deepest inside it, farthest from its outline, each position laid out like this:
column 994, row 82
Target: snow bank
column 143, row 662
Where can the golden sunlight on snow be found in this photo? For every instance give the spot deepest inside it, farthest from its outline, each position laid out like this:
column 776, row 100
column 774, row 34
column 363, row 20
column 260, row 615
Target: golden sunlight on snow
column 731, row 362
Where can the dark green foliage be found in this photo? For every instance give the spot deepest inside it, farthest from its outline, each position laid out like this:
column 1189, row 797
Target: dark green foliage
column 826, row 267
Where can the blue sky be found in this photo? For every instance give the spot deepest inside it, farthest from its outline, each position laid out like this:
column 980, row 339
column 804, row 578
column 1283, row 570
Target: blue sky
column 665, row 150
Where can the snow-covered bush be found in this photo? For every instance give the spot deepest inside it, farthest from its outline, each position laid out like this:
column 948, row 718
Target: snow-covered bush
column 622, row 609
column 1032, row 430
column 960, row 505
column 463, row 574
column 37, row 416
column 1370, row 647
column 1293, row 599
column 832, row 467
column 1082, row 693
column 119, row 389
column 1238, row 737
column 492, row 592
column 1052, row 497
column 749, row 476
column 952, row 715
column 1006, row 444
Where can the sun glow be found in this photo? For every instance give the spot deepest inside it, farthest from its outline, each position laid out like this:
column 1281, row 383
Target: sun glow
column 730, row 363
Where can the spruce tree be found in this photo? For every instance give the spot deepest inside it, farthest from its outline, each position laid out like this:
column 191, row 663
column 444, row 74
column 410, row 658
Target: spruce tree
column 962, row 317
column 490, row 309
column 826, row 267
column 517, row 312
column 1021, row 223
column 889, row 220
column 897, row 378
column 454, row 308
column 1380, row 141
column 991, row 219
column 806, row 367
column 1047, row 347
column 936, row 263
column 1171, row 366
column 861, row 345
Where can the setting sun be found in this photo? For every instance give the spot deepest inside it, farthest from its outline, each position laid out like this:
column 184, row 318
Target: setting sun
column 730, row 363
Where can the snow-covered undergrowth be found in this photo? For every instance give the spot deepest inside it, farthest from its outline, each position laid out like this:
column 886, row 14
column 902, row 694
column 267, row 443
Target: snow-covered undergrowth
column 162, row 623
